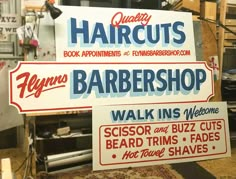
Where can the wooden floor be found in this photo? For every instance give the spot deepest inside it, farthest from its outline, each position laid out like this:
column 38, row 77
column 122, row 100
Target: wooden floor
column 17, row 157
column 224, row 168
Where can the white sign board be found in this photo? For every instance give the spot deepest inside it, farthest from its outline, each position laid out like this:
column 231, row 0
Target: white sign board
column 119, row 34
column 9, row 23
column 54, row 86
column 141, row 135
column 9, row 116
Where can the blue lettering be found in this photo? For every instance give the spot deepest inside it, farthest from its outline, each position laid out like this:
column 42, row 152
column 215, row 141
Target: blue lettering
column 136, row 31
column 161, row 80
column 137, row 78
column 190, row 75
column 182, row 37
column 99, row 33
column 112, row 34
column 153, row 37
column 80, row 85
column 111, row 79
column 192, row 113
column 124, row 81
column 75, row 31
column 173, row 79
column 200, row 78
column 148, row 78
column 137, row 82
column 117, row 115
column 123, row 33
column 133, row 115
column 171, row 34
column 166, row 31
column 95, row 81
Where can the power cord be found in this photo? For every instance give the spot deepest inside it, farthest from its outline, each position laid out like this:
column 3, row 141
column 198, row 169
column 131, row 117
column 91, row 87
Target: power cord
column 28, row 168
column 27, row 159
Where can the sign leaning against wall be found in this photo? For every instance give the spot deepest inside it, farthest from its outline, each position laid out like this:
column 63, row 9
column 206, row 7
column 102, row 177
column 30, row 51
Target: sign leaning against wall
column 142, row 135
column 57, row 86
column 115, row 34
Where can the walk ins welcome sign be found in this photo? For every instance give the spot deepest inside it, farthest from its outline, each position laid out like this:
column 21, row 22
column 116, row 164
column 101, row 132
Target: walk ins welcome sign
column 115, row 34
column 141, row 135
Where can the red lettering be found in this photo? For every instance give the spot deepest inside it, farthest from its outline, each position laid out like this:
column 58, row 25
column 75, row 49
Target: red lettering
column 188, row 149
column 122, row 131
column 119, row 18
column 108, row 144
column 161, row 129
column 71, row 54
column 124, row 143
column 204, row 137
column 183, row 127
column 129, row 154
column 35, row 86
column 152, row 153
column 23, row 85
column 209, row 126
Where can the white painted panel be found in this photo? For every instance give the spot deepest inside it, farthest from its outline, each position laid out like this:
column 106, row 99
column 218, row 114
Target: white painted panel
column 231, row 2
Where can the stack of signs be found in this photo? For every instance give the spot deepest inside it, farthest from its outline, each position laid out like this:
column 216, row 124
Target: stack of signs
column 140, row 65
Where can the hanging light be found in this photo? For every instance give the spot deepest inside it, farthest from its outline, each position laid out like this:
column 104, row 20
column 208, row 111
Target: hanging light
column 54, row 12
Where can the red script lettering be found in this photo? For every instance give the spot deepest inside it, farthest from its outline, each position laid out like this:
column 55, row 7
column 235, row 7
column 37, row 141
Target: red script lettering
column 119, row 18
column 35, row 86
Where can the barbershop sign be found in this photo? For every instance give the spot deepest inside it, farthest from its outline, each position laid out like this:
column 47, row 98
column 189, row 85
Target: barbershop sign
column 141, row 135
column 108, row 34
column 54, row 86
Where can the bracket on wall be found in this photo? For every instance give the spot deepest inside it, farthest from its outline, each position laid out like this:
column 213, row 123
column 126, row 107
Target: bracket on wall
column 0, row 9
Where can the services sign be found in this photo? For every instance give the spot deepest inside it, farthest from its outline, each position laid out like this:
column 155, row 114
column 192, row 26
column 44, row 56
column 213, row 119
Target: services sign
column 119, row 34
column 58, row 86
column 142, row 135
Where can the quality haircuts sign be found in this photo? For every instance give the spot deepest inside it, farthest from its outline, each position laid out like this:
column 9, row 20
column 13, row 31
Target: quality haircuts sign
column 54, row 86
column 111, row 34
column 141, row 135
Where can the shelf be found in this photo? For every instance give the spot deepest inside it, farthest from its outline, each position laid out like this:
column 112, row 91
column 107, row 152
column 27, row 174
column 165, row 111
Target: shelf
column 71, row 135
column 228, row 18
column 233, row 135
column 47, row 142
column 230, row 22
column 233, row 105
column 233, row 110
column 230, row 43
column 229, row 88
column 59, row 113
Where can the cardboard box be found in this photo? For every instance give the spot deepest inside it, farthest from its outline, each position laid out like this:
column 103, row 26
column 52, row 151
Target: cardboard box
column 187, row 5
column 208, row 10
